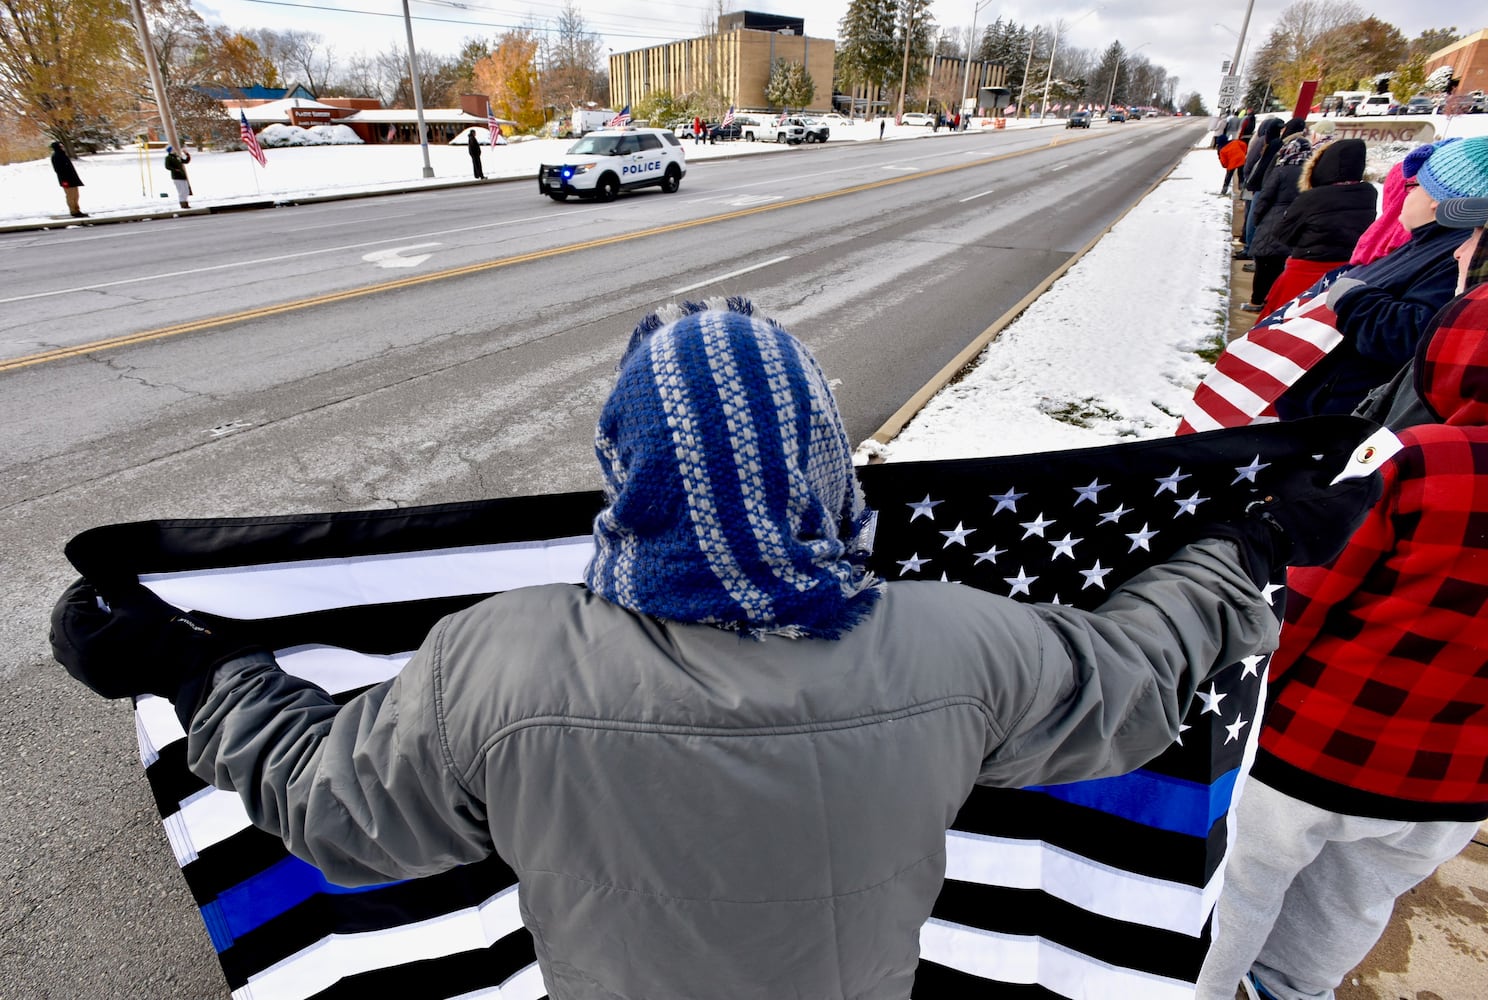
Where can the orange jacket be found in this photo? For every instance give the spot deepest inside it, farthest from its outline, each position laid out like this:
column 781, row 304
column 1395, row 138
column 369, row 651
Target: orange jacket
column 1232, row 154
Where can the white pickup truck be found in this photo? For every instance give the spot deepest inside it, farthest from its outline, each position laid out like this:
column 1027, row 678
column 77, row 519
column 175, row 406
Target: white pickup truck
column 772, row 129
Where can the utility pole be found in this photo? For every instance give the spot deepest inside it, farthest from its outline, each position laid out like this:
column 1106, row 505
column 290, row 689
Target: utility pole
column 418, row 92
column 970, row 43
column 904, row 75
column 1240, row 42
column 157, row 83
column 1023, row 88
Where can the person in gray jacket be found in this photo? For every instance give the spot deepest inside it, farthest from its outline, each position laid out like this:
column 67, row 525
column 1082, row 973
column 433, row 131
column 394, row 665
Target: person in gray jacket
column 725, row 768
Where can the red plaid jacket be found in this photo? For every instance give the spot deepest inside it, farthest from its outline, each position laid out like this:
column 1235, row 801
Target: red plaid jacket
column 1380, row 686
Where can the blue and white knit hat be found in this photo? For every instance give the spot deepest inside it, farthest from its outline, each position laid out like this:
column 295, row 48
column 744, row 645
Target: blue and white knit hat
column 1457, row 170
column 731, row 496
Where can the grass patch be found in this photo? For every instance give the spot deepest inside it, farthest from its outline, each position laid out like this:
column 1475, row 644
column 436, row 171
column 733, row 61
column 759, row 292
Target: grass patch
column 1213, row 346
column 1078, row 412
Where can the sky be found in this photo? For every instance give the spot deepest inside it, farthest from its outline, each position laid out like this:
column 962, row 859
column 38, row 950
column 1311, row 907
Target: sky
column 1190, row 40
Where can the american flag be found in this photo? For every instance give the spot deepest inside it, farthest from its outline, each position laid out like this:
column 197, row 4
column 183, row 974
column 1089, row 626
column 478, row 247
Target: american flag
column 1255, row 369
column 728, row 118
column 496, row 138
column 1096, row 889
column 250, row 140
column 622, row 118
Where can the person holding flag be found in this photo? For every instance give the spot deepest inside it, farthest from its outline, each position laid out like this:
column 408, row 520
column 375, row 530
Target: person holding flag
column 732, row 676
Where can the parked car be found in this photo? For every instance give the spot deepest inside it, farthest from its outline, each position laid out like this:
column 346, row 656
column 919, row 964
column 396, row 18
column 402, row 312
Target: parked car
column 834, row 120
column 814, row 129
column 1375, row 105
column 1080, row 119
column 917, row 118
column 774, row 130
column 1420, row 105
column 608, row 161
column 1116, row 116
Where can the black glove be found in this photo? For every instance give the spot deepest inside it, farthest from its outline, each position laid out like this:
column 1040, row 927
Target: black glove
column 1303, row 522
column 134, row 643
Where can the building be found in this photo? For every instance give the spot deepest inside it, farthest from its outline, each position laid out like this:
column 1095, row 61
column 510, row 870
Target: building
column 731, row 65
column 366, row 116
column 1468, row 58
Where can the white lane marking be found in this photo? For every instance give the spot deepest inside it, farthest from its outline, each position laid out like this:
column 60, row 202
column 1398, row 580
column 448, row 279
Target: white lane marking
column 350, row 222
column 981, row 194
column 739, row 200
column 394, row 257
column 913, row 170
column 731, row 274
column 288, row 256
column 1060, row 166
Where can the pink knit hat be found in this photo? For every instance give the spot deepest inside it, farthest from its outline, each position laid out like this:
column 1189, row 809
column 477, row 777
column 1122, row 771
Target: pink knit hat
column 1386, row 232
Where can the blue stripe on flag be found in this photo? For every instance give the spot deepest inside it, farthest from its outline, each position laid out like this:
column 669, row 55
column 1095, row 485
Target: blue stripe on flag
column 1156, row 800
column 276, row 890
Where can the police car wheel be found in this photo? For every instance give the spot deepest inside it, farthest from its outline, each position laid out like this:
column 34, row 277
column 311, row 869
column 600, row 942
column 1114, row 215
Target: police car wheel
column 558, row 195
column 672, row 181
column 607, row 189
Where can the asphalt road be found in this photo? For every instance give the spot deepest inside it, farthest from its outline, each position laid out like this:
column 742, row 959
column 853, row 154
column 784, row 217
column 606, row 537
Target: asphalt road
column 271, row 361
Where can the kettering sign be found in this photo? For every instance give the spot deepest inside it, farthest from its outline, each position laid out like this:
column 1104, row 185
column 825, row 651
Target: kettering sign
column 1414, row 132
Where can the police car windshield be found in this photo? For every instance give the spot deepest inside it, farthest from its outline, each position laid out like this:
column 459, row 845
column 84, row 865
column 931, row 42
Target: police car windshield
column 598, row 145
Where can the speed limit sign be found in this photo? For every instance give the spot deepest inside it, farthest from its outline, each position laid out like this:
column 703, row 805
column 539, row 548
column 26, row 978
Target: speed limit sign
column 1229, row 89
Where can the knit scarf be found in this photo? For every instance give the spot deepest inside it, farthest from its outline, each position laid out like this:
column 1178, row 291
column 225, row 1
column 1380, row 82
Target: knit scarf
column 730, row 493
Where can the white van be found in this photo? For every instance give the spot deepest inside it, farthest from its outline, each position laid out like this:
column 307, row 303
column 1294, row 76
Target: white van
column 1375, row 105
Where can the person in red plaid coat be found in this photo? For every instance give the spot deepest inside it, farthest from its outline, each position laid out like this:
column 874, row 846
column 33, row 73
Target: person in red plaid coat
column 1373, row 760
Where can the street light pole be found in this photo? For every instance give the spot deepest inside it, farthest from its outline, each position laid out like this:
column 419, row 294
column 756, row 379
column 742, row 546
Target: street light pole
column 904, row 76
column 1240, row 41
column 970, row 41
column 1049, row 78
column 157, row 82
column 418, row 93
column 1023, row 88
column 1111, row 95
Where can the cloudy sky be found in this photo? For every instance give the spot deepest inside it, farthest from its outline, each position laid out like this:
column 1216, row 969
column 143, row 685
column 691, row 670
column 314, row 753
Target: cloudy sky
column 1189, row 40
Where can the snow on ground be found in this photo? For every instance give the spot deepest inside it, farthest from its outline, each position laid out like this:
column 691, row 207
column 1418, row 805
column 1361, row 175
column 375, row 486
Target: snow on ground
column 128, row 181
column 1110, row 351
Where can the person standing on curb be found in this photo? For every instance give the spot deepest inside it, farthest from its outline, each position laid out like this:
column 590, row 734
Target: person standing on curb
column 175, row 165
column 473, row 144
column 67, row 176
column 881, row 123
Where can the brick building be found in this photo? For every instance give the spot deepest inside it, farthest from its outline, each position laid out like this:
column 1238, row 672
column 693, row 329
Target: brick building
column 1468, row 59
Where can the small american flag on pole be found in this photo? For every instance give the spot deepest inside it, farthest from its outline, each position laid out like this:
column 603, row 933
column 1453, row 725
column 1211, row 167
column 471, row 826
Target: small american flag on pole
column 728, row 118
column 622, row 118
column 250, row 140
column 497, row 139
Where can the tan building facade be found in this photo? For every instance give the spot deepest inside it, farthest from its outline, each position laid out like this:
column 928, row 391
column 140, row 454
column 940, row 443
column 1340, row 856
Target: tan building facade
column 1468, row 58
column 732, row 65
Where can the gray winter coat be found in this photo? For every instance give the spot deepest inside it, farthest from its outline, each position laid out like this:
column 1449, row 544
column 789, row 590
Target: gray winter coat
column 696, row 814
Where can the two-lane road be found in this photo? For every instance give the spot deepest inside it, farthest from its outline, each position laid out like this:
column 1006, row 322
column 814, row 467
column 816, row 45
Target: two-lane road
column 477, row 370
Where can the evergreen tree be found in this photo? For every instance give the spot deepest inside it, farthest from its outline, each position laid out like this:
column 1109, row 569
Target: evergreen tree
column 789, row 86
column 866, row 55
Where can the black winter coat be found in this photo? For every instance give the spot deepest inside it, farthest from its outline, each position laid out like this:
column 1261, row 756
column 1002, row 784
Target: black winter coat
column 1270, row 207
column 1334, row 208
column 67, row 175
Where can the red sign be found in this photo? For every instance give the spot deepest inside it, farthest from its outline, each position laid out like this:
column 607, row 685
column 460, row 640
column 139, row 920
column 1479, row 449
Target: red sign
column 1304, row 99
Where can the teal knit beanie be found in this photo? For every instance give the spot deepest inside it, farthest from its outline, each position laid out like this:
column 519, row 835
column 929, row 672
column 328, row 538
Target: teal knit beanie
column 1457, row 170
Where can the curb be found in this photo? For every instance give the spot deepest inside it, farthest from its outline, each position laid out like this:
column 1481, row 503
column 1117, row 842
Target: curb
column 902, row 416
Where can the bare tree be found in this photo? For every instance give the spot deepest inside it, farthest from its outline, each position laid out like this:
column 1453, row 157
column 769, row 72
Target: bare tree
column 573, row 61
column 298, row 55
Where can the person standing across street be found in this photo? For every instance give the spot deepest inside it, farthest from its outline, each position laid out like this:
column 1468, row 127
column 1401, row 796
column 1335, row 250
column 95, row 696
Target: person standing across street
column 175, row 165
column 881, row 123
column 732, row 675
column 473, row 145
column 67, row 176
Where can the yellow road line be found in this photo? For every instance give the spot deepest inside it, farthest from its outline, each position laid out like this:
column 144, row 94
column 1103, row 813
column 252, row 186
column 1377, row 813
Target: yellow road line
column 61, row 353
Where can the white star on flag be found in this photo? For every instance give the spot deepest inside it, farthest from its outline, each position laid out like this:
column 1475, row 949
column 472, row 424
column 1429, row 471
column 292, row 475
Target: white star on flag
column 1252, row 664
column 1269, row 592
column 1183, row 727
column 1095, row 576
column 1232, row 731
column 990, row 555
column 1170, row 482
column 925, row 508
column 1140, row 538
column 1212, row 700
column 1089, row 492
column 1191, row 505
column 1115, row 516
column 1065, row 546
column 1008, row 500
column 1036, row 526
column 1248, row 472
column 957, row 535
column 1020, row 582
column 912, row 564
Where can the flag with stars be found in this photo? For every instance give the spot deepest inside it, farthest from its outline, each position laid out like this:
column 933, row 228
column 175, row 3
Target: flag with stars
column 1093, row 889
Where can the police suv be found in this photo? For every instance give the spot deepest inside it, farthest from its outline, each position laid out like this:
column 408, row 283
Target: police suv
column 608, row 161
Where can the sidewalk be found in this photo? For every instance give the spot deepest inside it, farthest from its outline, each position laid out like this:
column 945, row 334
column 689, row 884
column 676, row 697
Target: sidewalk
column 1436, row 946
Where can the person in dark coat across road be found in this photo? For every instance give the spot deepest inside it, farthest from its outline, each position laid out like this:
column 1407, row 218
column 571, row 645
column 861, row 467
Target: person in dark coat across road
column 175, row 165
column 473, row 144
column 67, row 176
column 1325, row 222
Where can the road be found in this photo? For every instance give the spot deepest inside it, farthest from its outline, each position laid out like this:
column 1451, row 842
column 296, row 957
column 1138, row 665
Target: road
column 304, row 359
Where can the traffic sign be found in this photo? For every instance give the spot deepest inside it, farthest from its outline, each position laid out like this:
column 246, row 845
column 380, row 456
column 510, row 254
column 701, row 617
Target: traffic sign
column 1229, row 89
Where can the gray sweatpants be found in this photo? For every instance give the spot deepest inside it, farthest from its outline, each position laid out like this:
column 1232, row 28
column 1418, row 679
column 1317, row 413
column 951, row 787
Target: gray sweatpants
column 1307, row 892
